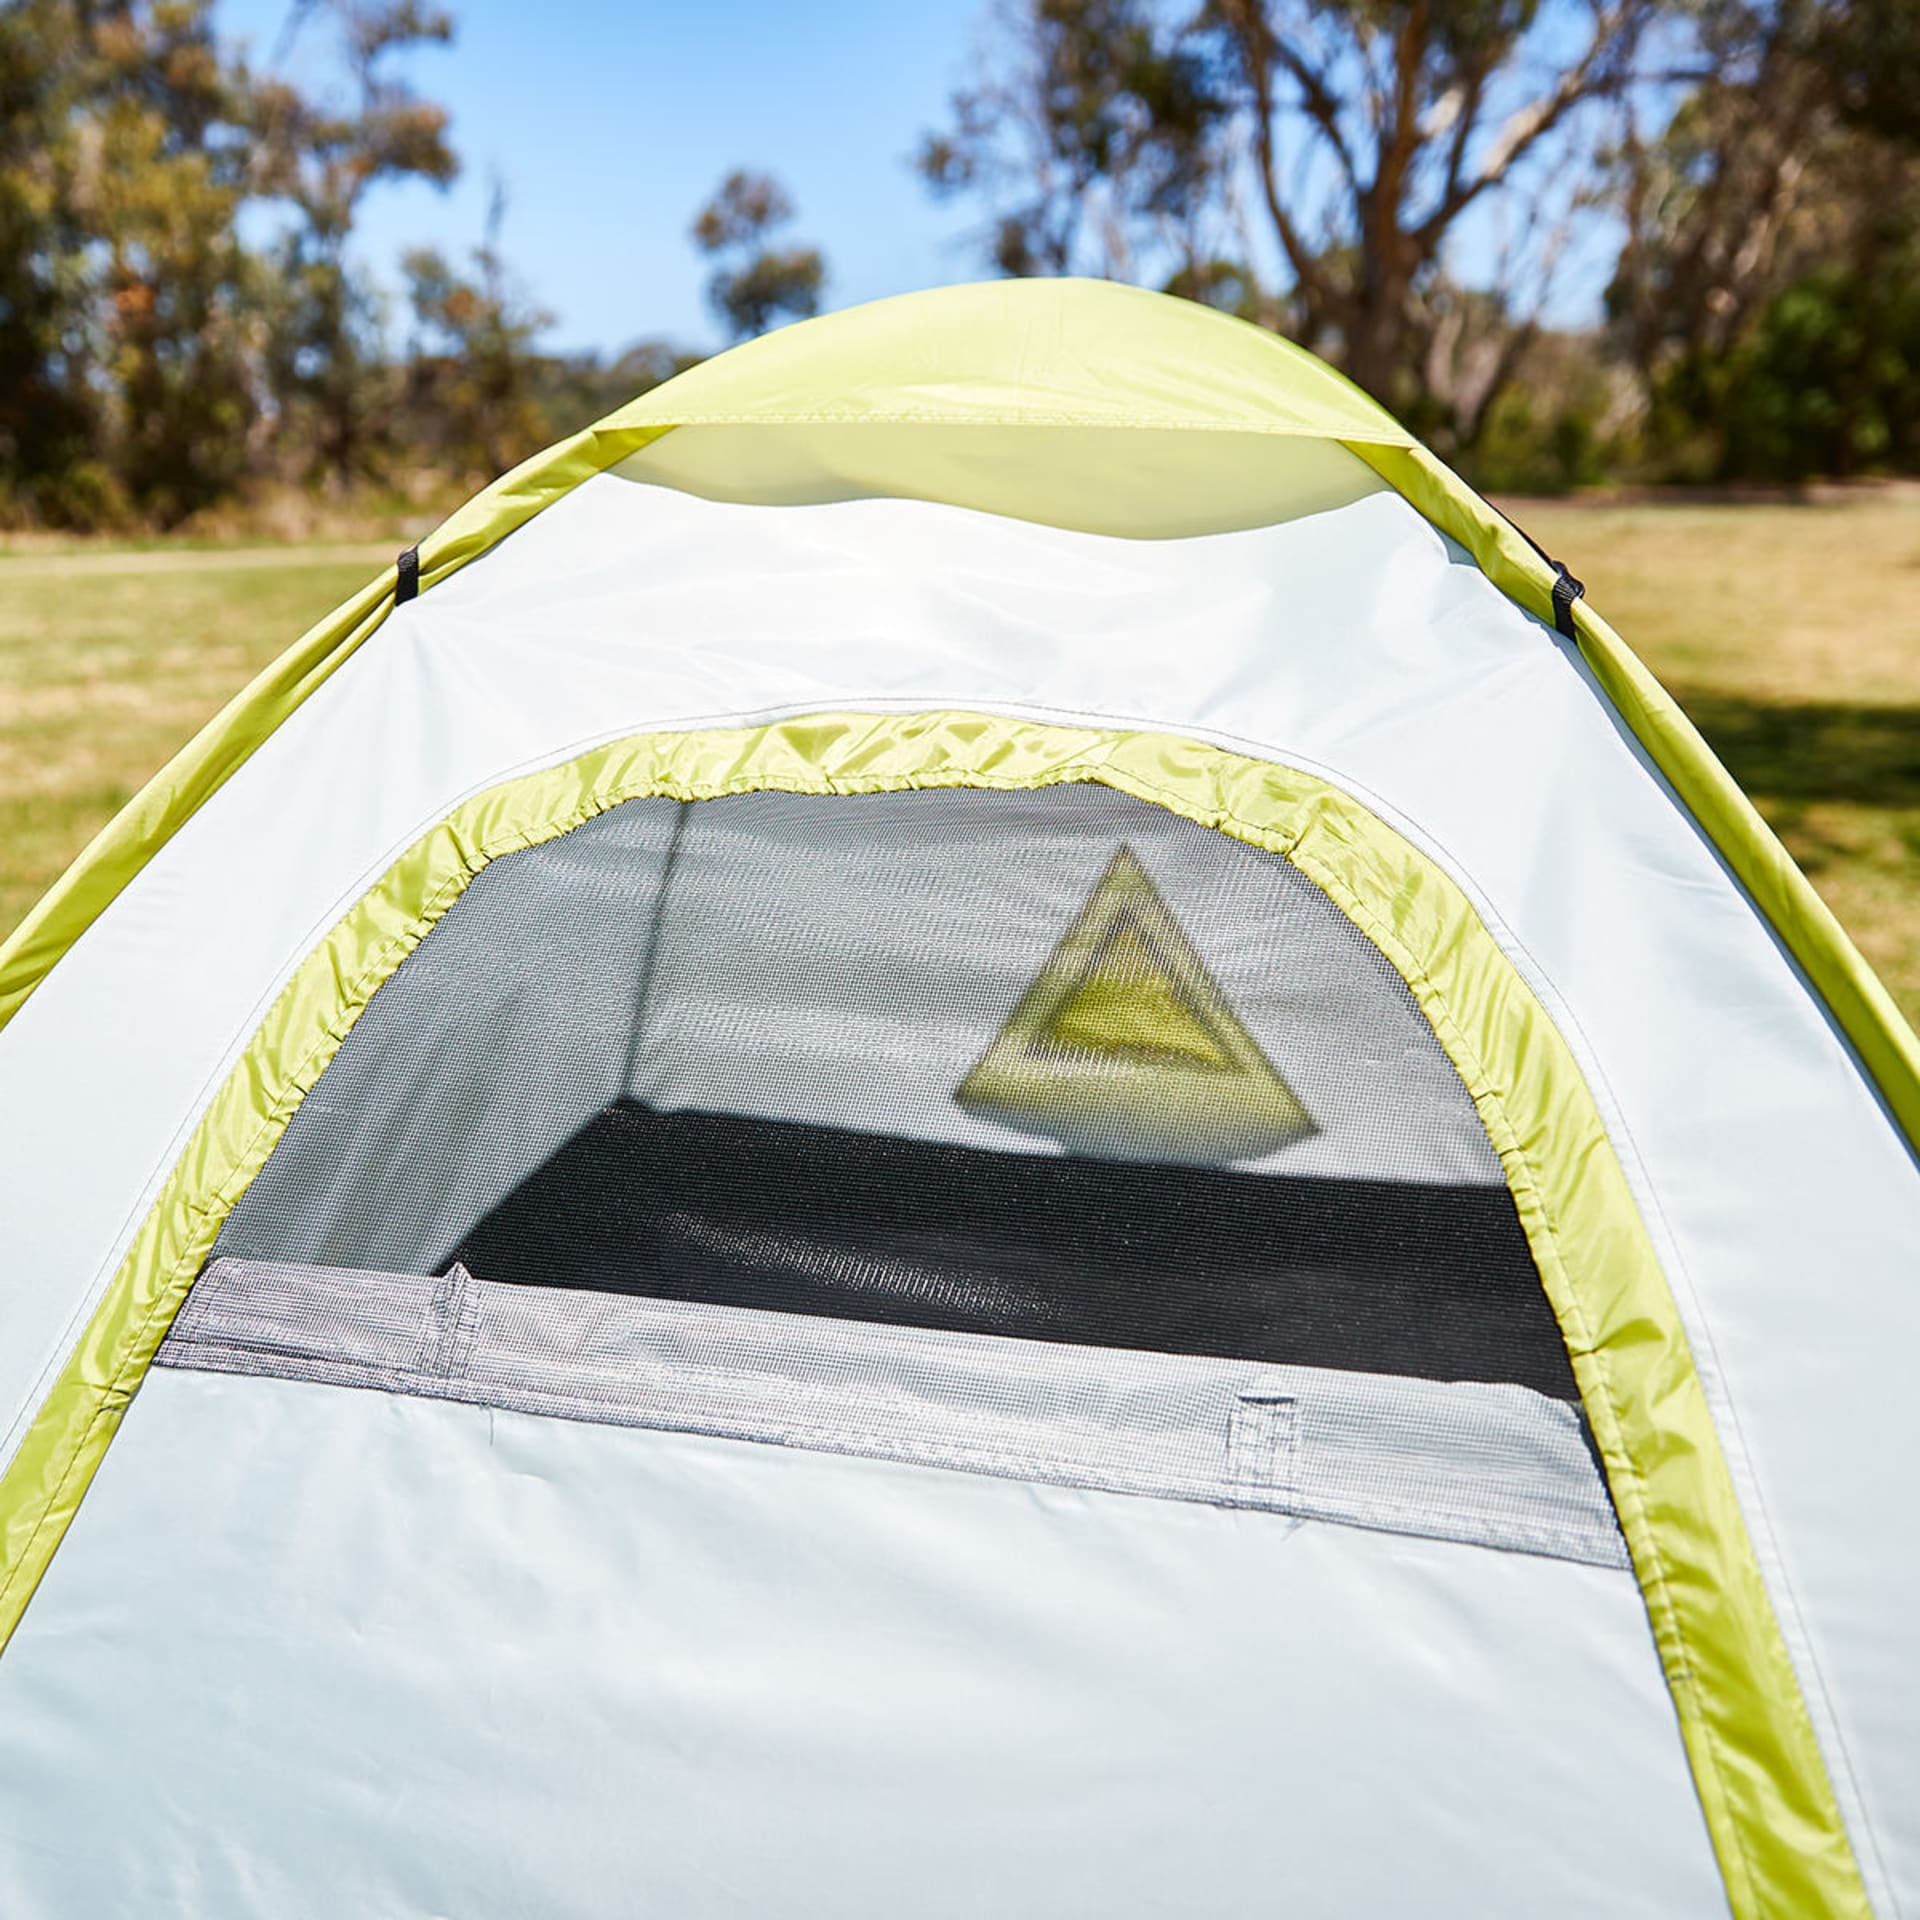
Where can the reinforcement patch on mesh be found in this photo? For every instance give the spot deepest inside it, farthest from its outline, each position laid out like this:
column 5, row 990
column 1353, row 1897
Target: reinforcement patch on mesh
column 1486, row 1465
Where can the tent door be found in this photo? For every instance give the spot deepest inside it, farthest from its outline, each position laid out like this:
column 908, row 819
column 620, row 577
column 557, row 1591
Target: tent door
column 426, row 1595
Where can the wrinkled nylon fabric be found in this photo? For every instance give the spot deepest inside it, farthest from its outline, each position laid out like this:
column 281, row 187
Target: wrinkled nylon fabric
column 1148, row 483
column 1756, row 1765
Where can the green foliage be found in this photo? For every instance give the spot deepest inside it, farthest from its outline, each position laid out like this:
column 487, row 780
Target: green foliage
column 1532, row 447
column 320, row 159
column 1870, row 49
column 756, row 284
column 123, row 164
column 1112, row 123
column 163, row 189
column 1563, row 422
column 470, row 376
column 1826, row 381
column 47, row 414
column 149, row 357
column 182, row 321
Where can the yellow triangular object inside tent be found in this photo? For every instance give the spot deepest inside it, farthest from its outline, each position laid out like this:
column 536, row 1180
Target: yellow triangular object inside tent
column 1124, row 1045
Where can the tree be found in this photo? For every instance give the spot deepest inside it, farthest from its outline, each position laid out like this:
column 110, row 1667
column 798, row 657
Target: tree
column 1765, row 286
column 472, row 369
column 1825, row 381
column 152, row 350
column 321, row 160
column 1343, row 143
column 160, row 186
column 1100, row 123
column 123, row 365
column 1871, row 51
column 1737, row 191
column 49, row 415
column 755, row 284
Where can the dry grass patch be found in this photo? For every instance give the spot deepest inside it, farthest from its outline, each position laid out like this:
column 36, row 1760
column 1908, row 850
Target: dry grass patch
column 1773, row 603
column 109, row 663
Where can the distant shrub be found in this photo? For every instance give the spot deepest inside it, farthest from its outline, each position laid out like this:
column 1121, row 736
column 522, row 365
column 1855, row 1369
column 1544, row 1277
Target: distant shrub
column 1826, row 381
column 83, row 497
column 1531, row 445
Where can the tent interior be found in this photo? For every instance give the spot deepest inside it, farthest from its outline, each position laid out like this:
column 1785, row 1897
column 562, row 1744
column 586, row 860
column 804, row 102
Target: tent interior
column 778, row 1051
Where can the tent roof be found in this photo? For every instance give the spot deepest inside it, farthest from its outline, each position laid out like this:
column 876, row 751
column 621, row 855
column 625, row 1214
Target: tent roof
column 1083, row 353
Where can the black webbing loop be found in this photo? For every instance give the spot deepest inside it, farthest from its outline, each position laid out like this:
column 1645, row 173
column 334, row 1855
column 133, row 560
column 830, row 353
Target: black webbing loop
column 408, row 584
column 1566, row 590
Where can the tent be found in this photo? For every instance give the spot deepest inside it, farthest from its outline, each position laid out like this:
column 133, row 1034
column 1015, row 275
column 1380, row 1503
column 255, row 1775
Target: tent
column 979, row 1120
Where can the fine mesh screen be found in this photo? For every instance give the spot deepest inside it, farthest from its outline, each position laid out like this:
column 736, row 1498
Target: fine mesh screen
column 1059, row 1065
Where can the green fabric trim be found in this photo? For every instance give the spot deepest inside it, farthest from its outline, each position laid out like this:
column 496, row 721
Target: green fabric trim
column 1866, row 1012
column 1768, row 1803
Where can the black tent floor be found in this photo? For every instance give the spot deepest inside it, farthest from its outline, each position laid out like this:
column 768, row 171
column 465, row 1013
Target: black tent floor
column 1363, row 1275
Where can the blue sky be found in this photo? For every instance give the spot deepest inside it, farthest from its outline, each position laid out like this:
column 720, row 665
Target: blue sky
column 610, row 125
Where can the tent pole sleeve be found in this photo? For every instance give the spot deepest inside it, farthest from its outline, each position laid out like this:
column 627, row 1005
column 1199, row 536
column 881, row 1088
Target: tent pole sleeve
column 1880, row 1036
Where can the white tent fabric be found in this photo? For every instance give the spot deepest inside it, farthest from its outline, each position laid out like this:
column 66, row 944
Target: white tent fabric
column 779, row 1682
column 1354, row 642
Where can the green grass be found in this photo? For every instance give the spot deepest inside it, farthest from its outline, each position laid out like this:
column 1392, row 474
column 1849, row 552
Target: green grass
column 109, row 663
column 1791, row 634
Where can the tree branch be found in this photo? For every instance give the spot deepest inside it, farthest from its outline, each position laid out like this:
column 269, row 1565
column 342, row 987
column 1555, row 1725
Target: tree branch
column 1598, row 71
column 1317, row 97
column 1257, row 46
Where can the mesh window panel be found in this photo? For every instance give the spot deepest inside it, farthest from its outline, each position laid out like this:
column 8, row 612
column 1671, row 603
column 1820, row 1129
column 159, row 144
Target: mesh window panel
column 1057, row 1065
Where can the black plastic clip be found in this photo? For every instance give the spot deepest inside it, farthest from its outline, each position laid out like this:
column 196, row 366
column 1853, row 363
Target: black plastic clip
column 1566, row 590
column 407, row 586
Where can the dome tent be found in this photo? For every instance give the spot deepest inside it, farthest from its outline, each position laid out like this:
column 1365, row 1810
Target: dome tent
column 978, row 1119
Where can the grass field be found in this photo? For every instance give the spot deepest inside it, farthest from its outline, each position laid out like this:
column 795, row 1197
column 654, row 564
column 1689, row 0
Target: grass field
column 1791, row 634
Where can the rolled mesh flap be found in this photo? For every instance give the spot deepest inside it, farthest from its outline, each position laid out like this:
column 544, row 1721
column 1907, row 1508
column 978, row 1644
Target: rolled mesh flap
column 1486, row 1465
